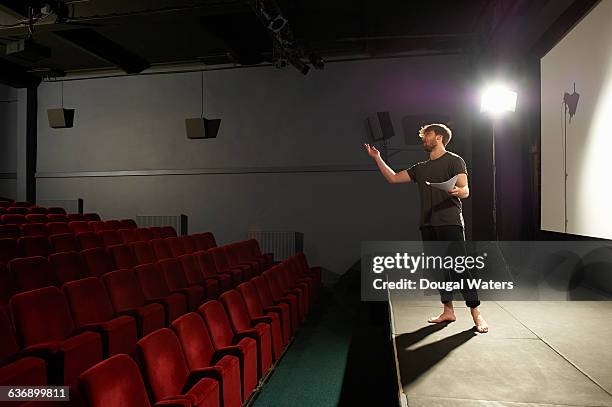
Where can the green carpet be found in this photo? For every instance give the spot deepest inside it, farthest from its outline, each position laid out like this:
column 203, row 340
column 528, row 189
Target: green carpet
column 312, row 370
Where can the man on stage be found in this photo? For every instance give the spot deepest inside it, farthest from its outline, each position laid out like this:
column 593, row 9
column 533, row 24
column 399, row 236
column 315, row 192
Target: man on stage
column 441, row 214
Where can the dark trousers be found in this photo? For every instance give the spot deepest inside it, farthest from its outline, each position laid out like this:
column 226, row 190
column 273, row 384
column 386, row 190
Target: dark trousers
column 454, row 234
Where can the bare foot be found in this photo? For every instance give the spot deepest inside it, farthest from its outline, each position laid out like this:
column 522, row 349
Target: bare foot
column 479, row 321
column 442, row 317
column 448, row 314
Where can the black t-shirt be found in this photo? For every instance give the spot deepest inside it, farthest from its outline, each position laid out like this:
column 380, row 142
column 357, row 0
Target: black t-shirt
column 438, row 207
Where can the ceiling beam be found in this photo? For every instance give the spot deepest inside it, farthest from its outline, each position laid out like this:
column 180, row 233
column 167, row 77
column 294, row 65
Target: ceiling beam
column 17, row 8
column 13, row 75
column 100, row 46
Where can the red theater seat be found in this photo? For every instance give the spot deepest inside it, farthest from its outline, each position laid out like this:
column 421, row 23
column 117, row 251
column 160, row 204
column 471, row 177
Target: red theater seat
column 16, row 370
column 278, row 290
column 37, row 210
column 256, row 252
column 34, row 246
column 75, row 217
column 65, row 242
column 56, row 210
column 7, row 285
column 8, row 250
column 245, row 255
column 98, row 261
column 33, row 229
column 200, row 355
column 92, row 217
column 284, row 305
column 243, row 326
column 99, row 226
column 161, row 248
column 21, row 204
column 128, row 299
column 165, row 368
column 129, row 235
column 58, row 228
column 224, row 340
column 144, row 253
column 238, row 273
column 80, row 227
column 92, row 310
column 10, row 231
column 14, row 219
column 204, row 241
column 57, row 217
column 194, row 275
column 32, row 272
column 113, row 225
column 155, row 288
column 281, row 328
column 308, row 271
column 110, row 237
column 45, row 327
column 68, row 266
column 176, row 247
column 145, row 234
column 116, row 381
column 207, row 265
column 156, row 232
column 177, row 283
column 188, row 243
column 89, row 240
column 168, row 231
column 232, row 255
column 37, row 218
column 123, row 256
column 128, row 224
column 291, row 284
column 17, row 210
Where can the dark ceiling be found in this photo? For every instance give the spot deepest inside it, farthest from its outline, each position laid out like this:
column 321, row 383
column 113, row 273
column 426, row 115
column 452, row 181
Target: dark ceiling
column 93, row 35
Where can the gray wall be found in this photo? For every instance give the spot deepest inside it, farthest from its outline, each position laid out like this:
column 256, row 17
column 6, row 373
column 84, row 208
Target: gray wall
column 288, row 149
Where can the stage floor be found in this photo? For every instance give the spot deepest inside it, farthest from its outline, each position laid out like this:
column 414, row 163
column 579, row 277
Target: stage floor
column 544, row 353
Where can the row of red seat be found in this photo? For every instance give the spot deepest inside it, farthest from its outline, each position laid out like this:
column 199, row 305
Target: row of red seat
column 199, row 360
column 8, row 202
column 78, row 328
column 187, row 254
column 22, row 215
column 62, row 241
column 22, row 209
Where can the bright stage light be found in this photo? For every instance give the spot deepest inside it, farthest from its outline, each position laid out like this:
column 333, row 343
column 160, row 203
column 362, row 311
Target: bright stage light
column 497, row 99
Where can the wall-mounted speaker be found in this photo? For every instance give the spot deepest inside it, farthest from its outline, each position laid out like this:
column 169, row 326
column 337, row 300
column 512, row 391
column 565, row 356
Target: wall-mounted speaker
column 200, row 127
column 60, row 118
column 379, row 127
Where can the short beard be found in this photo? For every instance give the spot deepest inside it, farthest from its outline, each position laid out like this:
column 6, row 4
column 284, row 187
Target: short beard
column 427, row 148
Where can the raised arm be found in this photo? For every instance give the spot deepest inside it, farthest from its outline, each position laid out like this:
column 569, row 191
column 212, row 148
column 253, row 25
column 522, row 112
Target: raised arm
column 390, row 175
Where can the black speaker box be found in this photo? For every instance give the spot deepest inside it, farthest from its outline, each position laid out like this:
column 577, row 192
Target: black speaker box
column 201, row 127
column 60, row 118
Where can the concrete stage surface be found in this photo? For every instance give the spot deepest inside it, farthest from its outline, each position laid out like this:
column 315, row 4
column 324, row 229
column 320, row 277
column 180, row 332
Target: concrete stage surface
column 537, row 353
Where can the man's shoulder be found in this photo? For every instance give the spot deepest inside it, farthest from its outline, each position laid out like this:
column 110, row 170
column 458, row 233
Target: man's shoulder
column 454, row 156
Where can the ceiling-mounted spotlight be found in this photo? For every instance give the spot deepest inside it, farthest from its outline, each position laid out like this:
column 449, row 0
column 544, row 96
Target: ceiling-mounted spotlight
column 280, row 63
column 277, row 23
column 298, row 64
column 316, row 61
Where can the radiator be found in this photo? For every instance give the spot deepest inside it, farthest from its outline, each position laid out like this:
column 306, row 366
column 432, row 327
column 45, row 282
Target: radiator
column 178, row 222
column 282, row 244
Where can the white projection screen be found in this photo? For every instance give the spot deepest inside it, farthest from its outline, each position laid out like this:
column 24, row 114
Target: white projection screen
column 583, row 57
